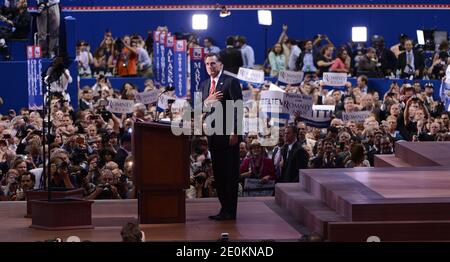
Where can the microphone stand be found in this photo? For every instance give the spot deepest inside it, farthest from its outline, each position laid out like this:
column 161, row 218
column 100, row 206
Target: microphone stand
column 46, row 167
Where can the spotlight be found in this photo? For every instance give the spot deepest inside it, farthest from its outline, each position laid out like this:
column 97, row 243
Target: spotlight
column 420, row 37
column 265, row 17
column 359, row 34
column 199, row 22
column 224, row 12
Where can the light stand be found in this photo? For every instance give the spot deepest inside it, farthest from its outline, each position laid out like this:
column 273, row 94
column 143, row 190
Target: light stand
column 265, row 19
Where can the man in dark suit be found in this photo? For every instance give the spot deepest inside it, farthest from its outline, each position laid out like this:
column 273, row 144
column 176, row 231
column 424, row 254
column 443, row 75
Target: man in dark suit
column 410, row 63
column 124, row 150
column 231, row 57
column 224, row 142
column 294, row 156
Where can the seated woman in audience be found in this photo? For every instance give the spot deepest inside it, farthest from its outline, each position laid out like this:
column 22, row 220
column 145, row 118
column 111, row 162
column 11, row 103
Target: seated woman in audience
column 325, row 59
column 277, row 60
column 257, row 165
column 357, row 158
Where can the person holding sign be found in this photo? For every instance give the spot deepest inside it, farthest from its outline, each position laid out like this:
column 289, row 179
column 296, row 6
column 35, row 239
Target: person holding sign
column 224, row 147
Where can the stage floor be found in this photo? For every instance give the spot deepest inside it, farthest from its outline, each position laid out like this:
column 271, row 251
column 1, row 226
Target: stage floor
column 406, row 184
column 258, row 219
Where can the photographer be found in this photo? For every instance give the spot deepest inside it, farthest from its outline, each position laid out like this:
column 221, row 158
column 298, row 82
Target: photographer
column 59, row 172
column 106, row 189
column 48, row 26
column 58, row 78
column 127, row 62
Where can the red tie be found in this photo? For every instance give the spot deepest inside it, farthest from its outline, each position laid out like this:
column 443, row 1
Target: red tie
column 212, row 89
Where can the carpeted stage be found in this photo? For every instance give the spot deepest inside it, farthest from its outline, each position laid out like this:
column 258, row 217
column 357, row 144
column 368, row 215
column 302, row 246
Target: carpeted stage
column 406, row 197
column 258, row 219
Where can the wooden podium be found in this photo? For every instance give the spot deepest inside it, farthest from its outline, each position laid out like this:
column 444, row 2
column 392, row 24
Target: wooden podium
column 161, row 170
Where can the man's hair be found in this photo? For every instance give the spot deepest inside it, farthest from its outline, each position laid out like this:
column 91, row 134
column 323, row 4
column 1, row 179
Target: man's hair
column 230, row 40
column 291, row 41
column 210, row 39
column 364, row 78
column 219, row 58
column 131, row 233
column 293, row 128
column 349, row 98
column 242, row 39
column 27, row 173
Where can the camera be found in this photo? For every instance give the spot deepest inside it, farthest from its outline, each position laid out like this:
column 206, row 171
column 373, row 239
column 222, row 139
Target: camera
column 41, row 7
column 7, row 136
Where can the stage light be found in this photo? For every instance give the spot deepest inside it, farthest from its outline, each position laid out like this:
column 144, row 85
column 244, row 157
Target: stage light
column 359, row 34
column 199, row 22
column 420, row 37
column 224, row 12
column 265, row 17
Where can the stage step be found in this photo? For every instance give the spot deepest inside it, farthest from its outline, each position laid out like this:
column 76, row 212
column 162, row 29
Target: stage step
column 389, row 231
column 305, row 208
column 424, row 153
column 389, row 161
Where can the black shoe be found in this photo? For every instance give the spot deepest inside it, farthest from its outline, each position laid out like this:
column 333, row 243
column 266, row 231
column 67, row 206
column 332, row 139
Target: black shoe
column 225, row 217
column 215, row 217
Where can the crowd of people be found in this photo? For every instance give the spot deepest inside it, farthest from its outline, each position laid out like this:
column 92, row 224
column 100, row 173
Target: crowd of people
column 90, row 148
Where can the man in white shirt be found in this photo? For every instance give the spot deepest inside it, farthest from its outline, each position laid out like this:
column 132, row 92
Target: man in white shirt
column 248, row 56
column 294, row 54
column 48, row 24
column 209, row 47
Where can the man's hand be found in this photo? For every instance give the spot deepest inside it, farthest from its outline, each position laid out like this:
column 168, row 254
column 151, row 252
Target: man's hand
column 214, row 97
column 233, row 140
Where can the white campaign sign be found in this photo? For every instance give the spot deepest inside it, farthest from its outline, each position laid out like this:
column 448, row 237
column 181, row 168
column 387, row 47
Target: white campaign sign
column 120, row 106
column 358, row 117
column 447, row 75
column 250, row 75
column 294, row 103
column 246, row 95
column 147, row 97
column 163, row 101
column 290, row 77
column 334, row 79
column 271, row 101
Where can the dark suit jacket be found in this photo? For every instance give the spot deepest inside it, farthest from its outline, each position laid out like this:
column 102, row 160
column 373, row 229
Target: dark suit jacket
column 120, row 157
column 419, row 62
column 231, row 59
column 231, row 90
column 298, row 159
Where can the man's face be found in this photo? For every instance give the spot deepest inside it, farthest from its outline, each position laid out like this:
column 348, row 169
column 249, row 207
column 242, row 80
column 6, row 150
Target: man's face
column 408, row 45
column 92, row 131
column 301, row 129
column 308, row 45
column 360, row 82
column 337, row 96
column 289, row 135
column 349, row 105
column 429, row 90
column 368, row 100
column 67, row 121
column 445, row 119
column 242, row 149
column 434, row 128
column 26, row 183
column 213, row 66
column 22, row 167
column 386, row 147
column 392, row 124
column 328, row 147
column 395, row 110
column 87, row 95
column 107, row 177
column 207, row 43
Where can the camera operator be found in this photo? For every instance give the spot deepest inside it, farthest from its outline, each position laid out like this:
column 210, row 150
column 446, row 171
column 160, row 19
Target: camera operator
column 48, row 26
column 106, row 189
column 59, row 172
column 58, row 78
